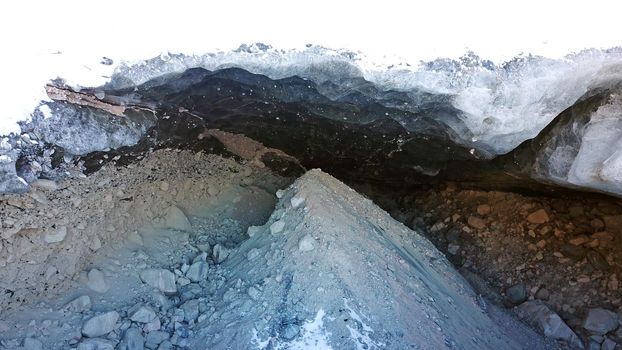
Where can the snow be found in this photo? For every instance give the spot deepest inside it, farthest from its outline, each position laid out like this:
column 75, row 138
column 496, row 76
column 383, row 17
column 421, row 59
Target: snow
column 62, row 39
column 361, row 334
column 313, row 337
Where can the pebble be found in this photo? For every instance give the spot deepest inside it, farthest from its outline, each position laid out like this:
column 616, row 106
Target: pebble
column 516, row 294
column 44, row 184
column 95, row 244
column 162, row 279
column 79, row 304
column 597, row 260
column 538, row 217
column 154, row 325
column 542, row 294
column 477, row 223
column 290, row 331
column 96, row 344
column 32, row 344
column 579, row 240
column 191, row 310
column 198, row 271
column 96, row 281
column 277, row 227
column 253, row 230
column 483, row 209
column 100, row 324
column 132, row 340
column 253, row 292
column 142, row 314
column 155, row 338
column 296, row 201
column 56, row 236
column 306, row 243
column 220, row 253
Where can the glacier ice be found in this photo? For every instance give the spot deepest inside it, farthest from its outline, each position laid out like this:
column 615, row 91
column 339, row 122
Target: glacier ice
column 502, row 104
column 598, row 163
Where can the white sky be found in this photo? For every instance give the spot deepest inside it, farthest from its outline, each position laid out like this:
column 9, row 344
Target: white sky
column 84, row 31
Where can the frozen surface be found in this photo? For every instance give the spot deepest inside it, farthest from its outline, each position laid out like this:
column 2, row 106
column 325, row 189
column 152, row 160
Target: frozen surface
column 598, row 164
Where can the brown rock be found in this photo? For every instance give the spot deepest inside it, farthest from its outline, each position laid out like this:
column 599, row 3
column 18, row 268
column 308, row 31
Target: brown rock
column 597, row 224
column 613, row 223
column 477, row 223
column 483, row 209
column 538, row 217
column 579, row 240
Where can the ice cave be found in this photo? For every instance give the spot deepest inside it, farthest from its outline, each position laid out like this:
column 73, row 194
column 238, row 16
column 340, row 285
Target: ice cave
column 269, row 198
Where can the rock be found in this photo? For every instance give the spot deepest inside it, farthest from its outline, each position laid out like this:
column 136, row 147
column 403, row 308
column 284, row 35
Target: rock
column 252, row 254
column 132, row 340
column 253, row 292
column 176, row 219
column 55, row 236
column 191, row 310
column 95, row 244
column 579, row 240
column 613, row 283
column 135, row 237
column 96, row 281
column 597, row 260
column 613, row 223
column 516, row 294
column 79, row 304
column 296, row 201
column 600, row 321
column 280, row 194
column 162, row 279
column 164, row 186
column 542, row 294
column 608, row 344
column 290, row 331
column 96, row 344
column 154, row 325
column 100, row 324
column 220, row 253
column 32, row 344
column 538, row 217
column 198, row 271
column 277, row 227
column 597, row 224
column 477, row 223
column 166, row 345
column 483, row 209
column 573, row 252
column 548, row 322
column 306, row 243
column 453, row 249
column 142, row 314
column 153, row 339
column 44, row 184
column 253, row 230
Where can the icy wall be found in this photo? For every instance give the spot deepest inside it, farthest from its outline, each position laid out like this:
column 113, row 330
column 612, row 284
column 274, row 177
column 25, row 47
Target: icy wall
column 431, row 116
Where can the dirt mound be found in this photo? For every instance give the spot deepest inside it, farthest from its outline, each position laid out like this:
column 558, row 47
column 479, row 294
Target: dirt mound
column 332, row 270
